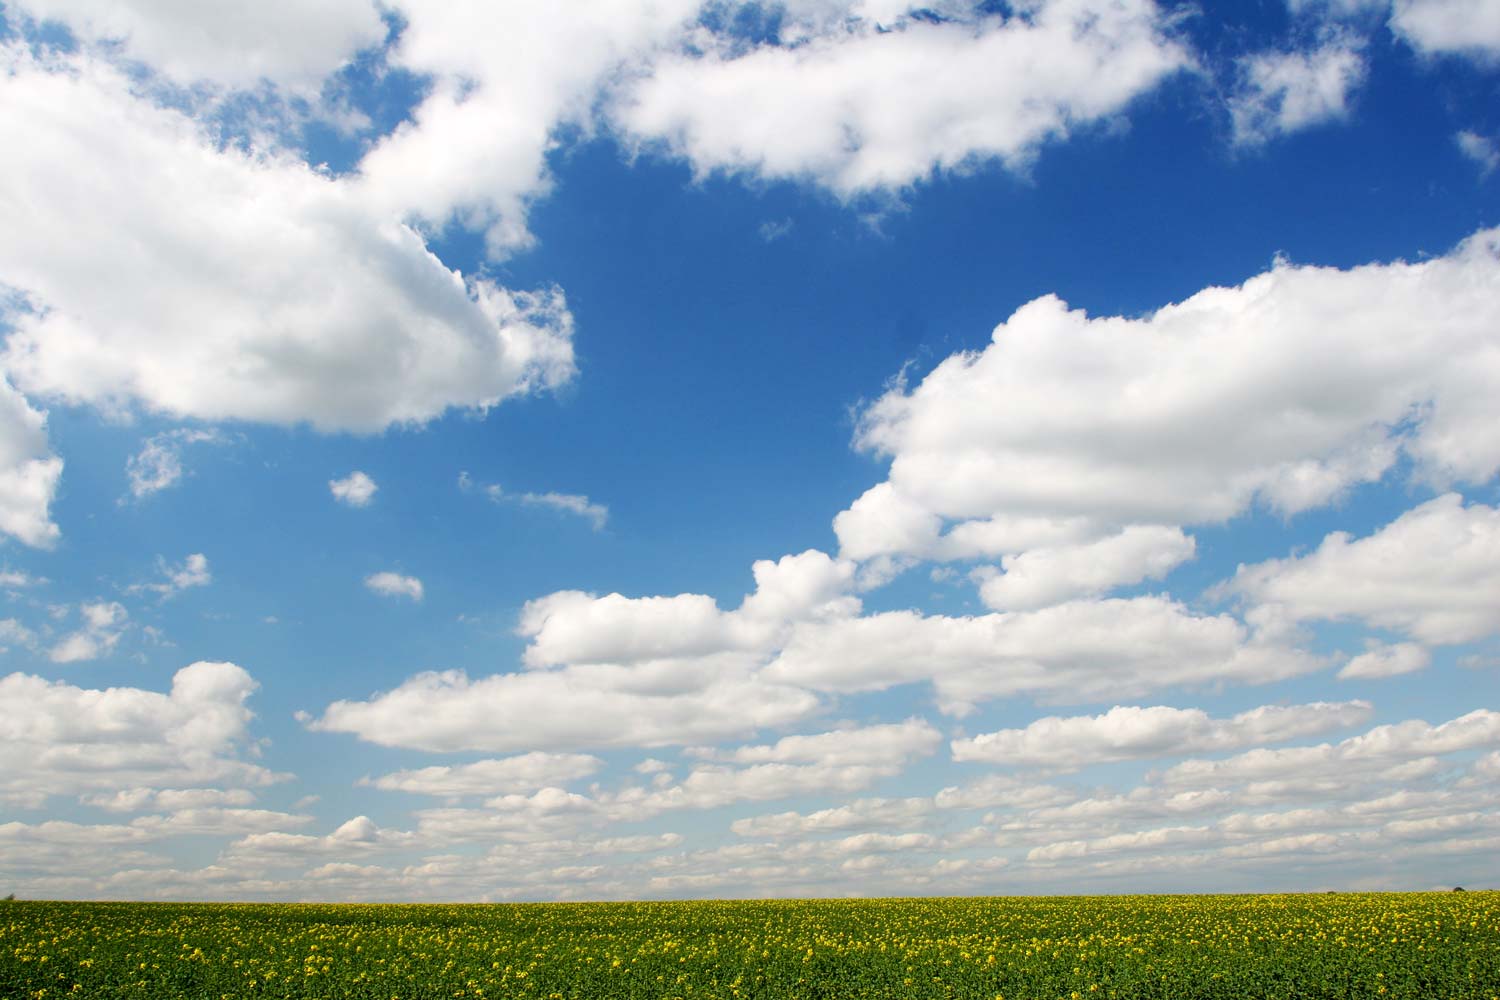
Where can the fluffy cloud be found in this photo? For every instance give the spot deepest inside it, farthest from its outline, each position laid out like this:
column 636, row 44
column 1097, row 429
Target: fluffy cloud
column 1040, row 577
column 103, row 624
column 874, row 102
column 1129, row 732
column 474, row 151
column 1067, row 429
column 356, row 489
column 1382, row 660
column 1378, row 750
column 57, row 739
column 573, row 708
column 150, row 283
column 1433, row 573
column 860, row 814
column 282, row 42
column 390, row 584
column 29, row 473
column 1285, row 91
column 1438, row 26
column 1081, row 651
column 524, row 773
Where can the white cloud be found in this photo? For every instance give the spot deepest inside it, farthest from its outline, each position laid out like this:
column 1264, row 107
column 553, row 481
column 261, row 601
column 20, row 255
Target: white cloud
column 12, row 631
column 858, row 105
column 525, row 773
column 572, row 708
column 149, row 283
column 503, row 79
column 140, row 799
column 282, row 41
column 391, row 584
column 158, row 465
column 355, row 489
column 103, row 624
column 29, row 473
column 1433, row 573
column 1131, row 733
column 1442, row 26
column 597, row 514
column 1383, row 660
column 1378, row 750
column 1282, row 92
column 191, row 572
column 877, row 746
column 1066, row 428
column 1041, row 577
column 1081, row 651
column 1481, row 149
column 57, row 739
column 859, row 814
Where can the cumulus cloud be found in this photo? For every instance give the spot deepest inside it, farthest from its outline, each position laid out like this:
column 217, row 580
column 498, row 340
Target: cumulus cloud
column 1470, row 27
column 1386, row 660
column 103, row 624
column 356, row 489
column 1378, row 750
column 1045, row 576
column 314, row 308
column 57, row 739
column 280, row 42
column 868, row 102
column 575, row 707
column 859, row 814
column 474, row 150
column 1282, row 92
column 1080, row 651
column 389, row 584
column 524, row 773
column 1130, row 733
column 1066, row 429
column 29, row 472
column 1433, row 573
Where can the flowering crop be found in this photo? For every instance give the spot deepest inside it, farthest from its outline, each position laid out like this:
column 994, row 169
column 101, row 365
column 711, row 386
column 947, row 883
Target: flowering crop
column 1418, row 945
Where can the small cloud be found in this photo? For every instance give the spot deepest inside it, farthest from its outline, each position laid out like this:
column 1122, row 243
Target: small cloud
column 355, row 489
column 158, row 465
column 13, row 632
column 1481, row 149
column 13, row 579
column 103, row 624
column 191, row 572
column 775, row 230
column 597, row 514
column 394, row 585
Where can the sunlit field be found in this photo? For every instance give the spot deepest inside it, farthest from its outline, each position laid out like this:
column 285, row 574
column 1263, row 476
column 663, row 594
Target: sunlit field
column 1418, row 945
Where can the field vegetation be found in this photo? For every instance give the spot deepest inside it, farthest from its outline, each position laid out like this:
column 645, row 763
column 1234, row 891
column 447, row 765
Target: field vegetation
column 1420, row 946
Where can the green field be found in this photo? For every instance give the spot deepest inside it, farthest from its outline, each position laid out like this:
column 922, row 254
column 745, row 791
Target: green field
column 1417, row 945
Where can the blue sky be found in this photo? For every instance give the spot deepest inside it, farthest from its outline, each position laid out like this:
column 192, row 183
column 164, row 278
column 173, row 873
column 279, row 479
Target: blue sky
column 705, row 449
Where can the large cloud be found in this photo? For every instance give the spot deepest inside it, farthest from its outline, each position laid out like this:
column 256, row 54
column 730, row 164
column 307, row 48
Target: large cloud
column 880, row 101
column 1080, row 651
column 57, row 739
column 1128, row 732
column 209, row 282
column 1433, row 573
column 1285, row 391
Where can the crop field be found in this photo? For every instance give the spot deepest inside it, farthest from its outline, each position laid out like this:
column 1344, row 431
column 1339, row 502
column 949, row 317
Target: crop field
column 1417, row 945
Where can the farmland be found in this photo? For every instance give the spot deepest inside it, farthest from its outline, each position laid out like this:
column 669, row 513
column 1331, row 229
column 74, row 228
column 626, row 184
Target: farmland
column 1417, row 945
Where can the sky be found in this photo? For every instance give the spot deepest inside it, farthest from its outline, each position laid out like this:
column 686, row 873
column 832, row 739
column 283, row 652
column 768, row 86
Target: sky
column 668, row 448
